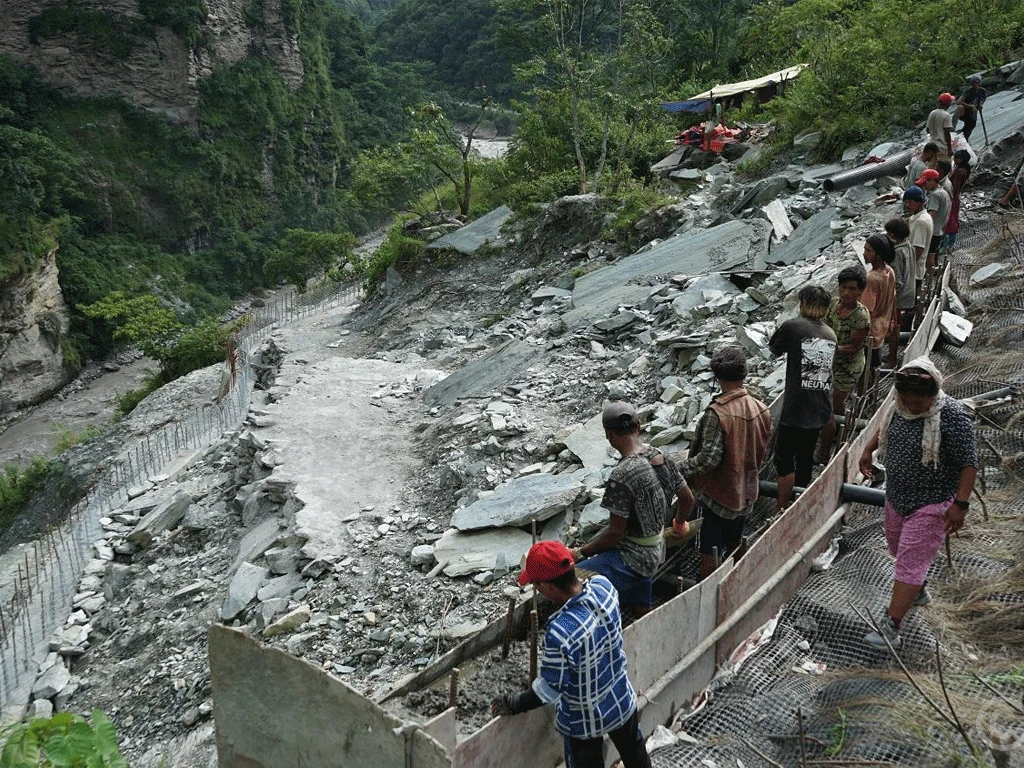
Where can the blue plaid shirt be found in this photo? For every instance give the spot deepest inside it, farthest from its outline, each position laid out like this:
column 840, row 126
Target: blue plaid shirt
column 582, row 667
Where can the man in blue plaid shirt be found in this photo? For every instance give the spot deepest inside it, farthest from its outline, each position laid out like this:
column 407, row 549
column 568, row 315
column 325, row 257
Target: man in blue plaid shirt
column 582, row 668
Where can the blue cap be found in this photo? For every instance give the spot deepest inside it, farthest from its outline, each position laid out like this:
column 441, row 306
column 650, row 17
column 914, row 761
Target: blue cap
column 914, row 193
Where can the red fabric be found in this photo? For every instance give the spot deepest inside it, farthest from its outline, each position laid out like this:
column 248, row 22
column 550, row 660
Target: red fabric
column 545, row 561
column 953, row 224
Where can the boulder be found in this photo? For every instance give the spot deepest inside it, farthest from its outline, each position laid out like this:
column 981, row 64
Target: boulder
column 955, row 330
column 466, row 553
column 164, row 516
column 987, row 273
column 588, row 443
column 289, row 622
column 51, row 682
column 242, row 590
column 519, row 502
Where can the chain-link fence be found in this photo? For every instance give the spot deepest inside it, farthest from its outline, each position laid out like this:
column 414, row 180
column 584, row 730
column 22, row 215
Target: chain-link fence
column 43, row 581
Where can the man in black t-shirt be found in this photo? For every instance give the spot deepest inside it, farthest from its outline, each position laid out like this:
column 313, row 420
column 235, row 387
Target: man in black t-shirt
column 809, row 345
column 971, row 100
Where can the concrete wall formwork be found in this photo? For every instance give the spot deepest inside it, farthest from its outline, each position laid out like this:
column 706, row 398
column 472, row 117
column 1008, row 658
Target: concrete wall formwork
column 273, row 710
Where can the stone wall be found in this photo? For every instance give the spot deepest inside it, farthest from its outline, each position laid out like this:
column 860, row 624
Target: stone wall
column 33, row 323
column 161, row 73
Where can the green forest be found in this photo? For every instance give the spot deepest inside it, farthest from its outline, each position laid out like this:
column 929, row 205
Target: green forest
column 272, row 184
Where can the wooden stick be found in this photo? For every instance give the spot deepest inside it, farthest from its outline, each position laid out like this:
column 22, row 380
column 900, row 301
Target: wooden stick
column 987, row 684
column 453, row 688
column 945, row 695
column 949, row 554
column 800, row 732
column 506, row 642
column 938, row 710
column 534, row 623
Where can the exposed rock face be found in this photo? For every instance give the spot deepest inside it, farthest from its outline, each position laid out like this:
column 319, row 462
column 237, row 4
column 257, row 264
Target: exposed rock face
column 161, row 72
column 33, row 322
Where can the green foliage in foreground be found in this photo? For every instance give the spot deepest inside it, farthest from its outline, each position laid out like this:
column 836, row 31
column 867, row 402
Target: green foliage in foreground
column 63, row 741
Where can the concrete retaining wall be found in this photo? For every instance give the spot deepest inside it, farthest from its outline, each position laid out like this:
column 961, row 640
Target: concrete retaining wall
column 273, row 710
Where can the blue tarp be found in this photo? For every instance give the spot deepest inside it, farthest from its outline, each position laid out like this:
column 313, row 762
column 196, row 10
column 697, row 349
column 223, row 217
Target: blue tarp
column 690, row 105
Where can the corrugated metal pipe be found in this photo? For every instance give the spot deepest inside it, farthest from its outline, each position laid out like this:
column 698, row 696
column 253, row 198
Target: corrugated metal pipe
column 894, row 166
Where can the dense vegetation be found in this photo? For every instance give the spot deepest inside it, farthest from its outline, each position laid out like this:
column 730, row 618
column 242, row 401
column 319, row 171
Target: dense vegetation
column 188, row 215
column 270, row 182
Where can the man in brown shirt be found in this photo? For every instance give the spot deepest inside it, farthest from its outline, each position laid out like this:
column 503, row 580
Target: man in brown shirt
column 725, row 458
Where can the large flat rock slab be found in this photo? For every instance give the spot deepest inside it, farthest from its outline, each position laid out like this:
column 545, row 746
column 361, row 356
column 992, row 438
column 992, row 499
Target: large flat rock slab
column 477, row 551
column 693, row 253
column 470, row 238
column 519, row 502
column 488, row 374
column 808, row 240
column 589, row 444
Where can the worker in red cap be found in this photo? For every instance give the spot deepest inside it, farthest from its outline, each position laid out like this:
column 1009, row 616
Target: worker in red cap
column 582, row 666
column 940, row 125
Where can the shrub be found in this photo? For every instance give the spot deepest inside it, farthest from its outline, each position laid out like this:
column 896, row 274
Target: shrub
column 127, row 402
column 63, row 741
column 397, row 248
column 17, row 486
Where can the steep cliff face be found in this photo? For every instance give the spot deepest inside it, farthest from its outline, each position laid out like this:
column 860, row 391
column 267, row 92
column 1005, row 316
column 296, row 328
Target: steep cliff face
column 33, row 323
column 107, row 48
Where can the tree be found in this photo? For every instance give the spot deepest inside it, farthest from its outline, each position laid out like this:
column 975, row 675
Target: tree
column 303, row 254
column 448, row 151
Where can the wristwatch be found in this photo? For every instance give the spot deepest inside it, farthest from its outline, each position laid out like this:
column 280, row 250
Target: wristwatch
column 964, row 505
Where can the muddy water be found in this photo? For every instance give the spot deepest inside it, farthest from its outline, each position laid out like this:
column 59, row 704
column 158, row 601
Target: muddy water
column 40, row 429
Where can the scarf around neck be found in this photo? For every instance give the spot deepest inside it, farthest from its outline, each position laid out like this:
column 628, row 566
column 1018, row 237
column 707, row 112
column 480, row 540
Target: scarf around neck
column 931, row 437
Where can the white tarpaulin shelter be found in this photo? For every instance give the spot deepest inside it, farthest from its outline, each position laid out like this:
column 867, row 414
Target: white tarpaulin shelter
column 731, row 89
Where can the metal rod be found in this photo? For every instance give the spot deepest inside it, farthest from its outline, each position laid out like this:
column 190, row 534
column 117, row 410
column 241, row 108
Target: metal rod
column 850, row 493
column 506, row 642
column 453, row 688
column 534, row 639
column 897, row 164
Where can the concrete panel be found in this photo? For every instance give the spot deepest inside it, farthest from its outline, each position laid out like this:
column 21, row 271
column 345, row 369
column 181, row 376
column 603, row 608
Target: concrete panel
column 444, row 729
column 655, row 643
column 856, row 447
column 771, row 558
column 488, row 374
column 328, row 724
column 696, row 252
column 469, row 239
column 527, row 739
column 809, row 239
column 426, row 752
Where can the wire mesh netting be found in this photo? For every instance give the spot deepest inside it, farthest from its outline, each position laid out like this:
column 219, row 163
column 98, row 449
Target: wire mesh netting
column 862, row 707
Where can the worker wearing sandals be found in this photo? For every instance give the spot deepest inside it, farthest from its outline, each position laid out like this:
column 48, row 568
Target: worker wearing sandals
column 927, row 444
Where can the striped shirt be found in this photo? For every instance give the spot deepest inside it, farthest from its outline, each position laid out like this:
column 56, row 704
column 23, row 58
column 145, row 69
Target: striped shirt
column 582, row 667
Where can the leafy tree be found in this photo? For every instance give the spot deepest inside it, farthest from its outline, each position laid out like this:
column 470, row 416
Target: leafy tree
column 303, row 255
column 63, row 741
column 140, row 320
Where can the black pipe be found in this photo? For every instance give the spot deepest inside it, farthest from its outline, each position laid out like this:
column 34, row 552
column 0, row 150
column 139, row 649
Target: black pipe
column 897, row 164
column 850, row 493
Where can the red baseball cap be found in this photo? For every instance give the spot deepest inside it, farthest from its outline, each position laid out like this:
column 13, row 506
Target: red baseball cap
column 545, row 561
column 945, row 99
column 929, row 174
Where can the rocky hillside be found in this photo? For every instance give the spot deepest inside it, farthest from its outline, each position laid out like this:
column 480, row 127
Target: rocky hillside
column 150, row 53
column 33, row 335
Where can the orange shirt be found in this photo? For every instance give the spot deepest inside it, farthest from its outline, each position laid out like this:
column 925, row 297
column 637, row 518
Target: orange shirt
column 880, row 299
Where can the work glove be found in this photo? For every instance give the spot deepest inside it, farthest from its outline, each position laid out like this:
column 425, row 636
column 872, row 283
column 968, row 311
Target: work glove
column 504, row 705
